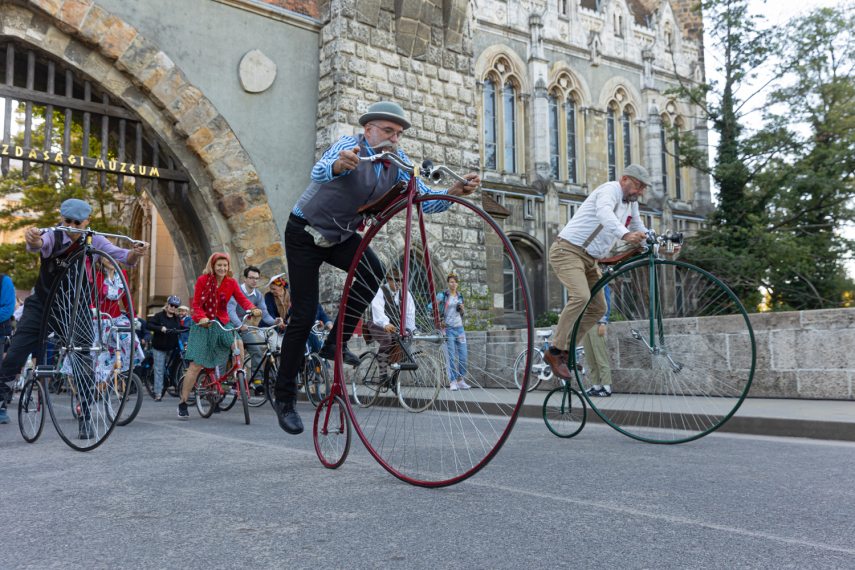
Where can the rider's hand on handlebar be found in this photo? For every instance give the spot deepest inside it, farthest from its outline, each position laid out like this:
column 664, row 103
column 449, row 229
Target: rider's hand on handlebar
column 347, row 160
column 390, row 328
column 256, row 312
column 33, row 237
column 204, row 322
column 634, row 237
column 473, row 181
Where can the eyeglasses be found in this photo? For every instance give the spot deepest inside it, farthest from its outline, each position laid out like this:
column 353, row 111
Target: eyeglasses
column 70, row 222
column 174, row 306
column 254, row 278
column 389, row 131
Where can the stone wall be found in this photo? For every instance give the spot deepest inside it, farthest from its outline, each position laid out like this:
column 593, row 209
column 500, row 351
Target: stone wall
column 805, row 354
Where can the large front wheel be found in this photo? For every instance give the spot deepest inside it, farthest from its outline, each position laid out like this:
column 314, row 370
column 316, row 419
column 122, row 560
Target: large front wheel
column 679, row 352
column 459, row 428
column 79, row 349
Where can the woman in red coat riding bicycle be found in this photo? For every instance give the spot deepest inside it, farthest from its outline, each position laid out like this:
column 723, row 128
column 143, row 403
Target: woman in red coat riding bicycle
column 209, row 346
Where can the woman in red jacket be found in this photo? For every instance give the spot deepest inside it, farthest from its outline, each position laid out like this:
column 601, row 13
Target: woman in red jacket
column 209, row 346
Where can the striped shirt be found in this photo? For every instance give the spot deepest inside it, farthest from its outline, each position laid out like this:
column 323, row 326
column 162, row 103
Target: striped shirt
column 322, row 172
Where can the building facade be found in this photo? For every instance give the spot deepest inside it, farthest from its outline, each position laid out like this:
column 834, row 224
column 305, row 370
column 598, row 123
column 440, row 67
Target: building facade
column 547, row 99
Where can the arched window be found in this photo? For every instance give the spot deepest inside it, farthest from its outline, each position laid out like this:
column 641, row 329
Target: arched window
column 678, row 178
column 611, row 141
column 491, row 132
column 621, row 139
column 665, row 161
column 562, row 138
column 672, row 170
column 502, row 118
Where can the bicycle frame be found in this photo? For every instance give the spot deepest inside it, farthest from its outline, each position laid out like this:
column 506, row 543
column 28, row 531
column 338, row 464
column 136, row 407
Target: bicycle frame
column 650, row 253
column 216, row 382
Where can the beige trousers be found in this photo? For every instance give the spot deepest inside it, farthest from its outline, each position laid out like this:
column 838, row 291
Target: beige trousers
column 578, row 272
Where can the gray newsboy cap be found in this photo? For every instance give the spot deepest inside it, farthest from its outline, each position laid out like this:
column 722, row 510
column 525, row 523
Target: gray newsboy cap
column 75, row 209
column 385, row 111
column 639, row 173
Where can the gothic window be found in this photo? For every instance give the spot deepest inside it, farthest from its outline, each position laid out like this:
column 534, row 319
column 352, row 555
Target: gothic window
column 490, row 130
column 672, row 170
column 563, row 7
column 626, row 135
column 678, row 178
column 663, row 140
column 611, row 141
column 563, row 126
column 502, row 118
column 622, row 135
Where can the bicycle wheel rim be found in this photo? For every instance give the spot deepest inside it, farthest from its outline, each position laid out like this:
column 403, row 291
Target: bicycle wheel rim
column 31, row 410
column 133, row 401
column 702, row 362
column 331, row 432
column 206, row 396
column 463, row 430
column 77, row 348
column 564, row 412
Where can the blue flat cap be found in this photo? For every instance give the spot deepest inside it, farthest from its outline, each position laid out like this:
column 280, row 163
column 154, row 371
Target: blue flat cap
column 75, row 209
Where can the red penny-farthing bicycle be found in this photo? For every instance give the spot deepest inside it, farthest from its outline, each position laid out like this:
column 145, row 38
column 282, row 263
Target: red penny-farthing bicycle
column 401, row 402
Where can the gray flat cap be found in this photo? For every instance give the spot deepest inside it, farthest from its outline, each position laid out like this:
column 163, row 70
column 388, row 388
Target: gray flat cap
column 639, row 173
column 385, row 111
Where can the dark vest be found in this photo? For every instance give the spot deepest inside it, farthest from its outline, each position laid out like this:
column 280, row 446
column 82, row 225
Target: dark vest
column 51, row 265
column 331, row 207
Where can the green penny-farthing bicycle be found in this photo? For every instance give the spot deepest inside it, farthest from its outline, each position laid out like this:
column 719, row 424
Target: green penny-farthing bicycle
column 680, row 348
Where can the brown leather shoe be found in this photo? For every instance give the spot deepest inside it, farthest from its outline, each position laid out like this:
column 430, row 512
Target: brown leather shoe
column 558, row 363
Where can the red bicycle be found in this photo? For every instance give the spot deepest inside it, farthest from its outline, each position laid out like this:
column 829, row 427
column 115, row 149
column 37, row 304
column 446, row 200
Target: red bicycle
column 402, row 406
column 214, row 389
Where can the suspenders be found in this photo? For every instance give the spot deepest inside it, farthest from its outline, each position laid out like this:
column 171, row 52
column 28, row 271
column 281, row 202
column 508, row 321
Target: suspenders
column 597, row 230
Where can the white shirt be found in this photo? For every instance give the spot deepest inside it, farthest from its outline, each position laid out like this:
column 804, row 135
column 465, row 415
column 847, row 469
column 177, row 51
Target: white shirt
column 603, row 208
column 378, row 313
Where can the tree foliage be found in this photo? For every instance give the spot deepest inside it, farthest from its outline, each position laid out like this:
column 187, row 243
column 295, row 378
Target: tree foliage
column 785, row 189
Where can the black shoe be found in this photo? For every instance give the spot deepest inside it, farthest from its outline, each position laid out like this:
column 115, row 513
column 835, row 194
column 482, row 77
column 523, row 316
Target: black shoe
column 85, row 429
column 327, row 352
column 593, row 392
column 289, row 419
column 183, row 414
column 217, row 409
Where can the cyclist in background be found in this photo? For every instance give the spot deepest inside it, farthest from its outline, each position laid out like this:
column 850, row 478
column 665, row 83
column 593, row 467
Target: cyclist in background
column 209, row 345
column 322, row 229
column 164, row 327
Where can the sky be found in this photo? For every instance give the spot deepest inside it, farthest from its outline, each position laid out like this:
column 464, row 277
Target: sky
column 778, row 12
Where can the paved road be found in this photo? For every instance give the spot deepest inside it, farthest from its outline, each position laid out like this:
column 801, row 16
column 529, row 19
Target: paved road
column 218, row 494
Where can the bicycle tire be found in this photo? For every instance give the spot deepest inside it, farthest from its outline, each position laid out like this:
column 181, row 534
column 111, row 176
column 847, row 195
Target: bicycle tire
column 316, row 382
column 31, row 410
column 538, row 369
column 206, row 396
column 418, row 389
column 133, row 402
column 564, row 412
column 703, row 358
column 257, row 390
column 331, row 432
column 230, row 397
column 240, row 378
column 74, row 346
column 271, row 371
column 178, row 369
column 364, row 380
column 463, row 430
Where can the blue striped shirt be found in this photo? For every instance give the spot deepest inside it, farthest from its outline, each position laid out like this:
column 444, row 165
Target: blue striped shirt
column 323, row 172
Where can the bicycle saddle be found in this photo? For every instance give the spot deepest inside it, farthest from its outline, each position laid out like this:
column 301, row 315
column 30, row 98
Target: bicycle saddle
column 383, row 201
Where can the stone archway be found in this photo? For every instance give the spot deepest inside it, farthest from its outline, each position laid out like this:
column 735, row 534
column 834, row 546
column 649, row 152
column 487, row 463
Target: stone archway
column 226, row 208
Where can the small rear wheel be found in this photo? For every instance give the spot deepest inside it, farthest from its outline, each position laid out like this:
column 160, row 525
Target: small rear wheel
column 331, row 432
column 564, row 412
column 206, row 395
column 31, row 410
column 271, row 371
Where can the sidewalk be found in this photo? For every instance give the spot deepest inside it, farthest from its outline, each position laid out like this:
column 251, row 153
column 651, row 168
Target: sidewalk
column 817, row 419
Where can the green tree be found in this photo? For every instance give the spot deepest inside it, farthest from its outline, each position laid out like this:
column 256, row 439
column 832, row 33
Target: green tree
column 783, row 189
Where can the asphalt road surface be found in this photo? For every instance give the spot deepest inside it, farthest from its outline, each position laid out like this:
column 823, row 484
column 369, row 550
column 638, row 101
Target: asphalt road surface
column 219, row 494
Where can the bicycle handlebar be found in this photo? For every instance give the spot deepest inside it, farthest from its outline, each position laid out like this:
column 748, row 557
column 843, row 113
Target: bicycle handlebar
column 433, row 173
column 90, row 231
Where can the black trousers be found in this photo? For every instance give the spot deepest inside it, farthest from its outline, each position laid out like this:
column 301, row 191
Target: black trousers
column 304, row 264
column 25, row 341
